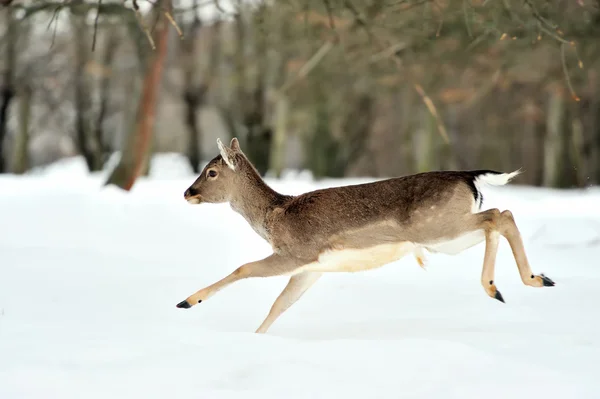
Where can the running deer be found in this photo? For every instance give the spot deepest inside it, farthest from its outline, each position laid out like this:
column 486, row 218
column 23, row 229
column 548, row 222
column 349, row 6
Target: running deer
column 357, row 227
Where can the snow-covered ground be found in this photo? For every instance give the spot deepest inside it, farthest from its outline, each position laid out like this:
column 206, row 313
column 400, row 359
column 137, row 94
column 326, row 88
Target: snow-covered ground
column 89, row 279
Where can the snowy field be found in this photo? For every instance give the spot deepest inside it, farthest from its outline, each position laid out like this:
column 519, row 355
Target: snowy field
column 90, row 276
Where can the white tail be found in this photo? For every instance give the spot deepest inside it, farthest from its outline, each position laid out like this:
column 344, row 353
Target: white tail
column 496, row 179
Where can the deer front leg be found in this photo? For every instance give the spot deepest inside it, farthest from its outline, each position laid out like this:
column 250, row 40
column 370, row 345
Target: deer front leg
column 294, row 289
column 273, row 265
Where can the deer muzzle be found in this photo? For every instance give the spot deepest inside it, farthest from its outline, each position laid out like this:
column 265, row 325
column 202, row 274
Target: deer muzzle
column 192, row 196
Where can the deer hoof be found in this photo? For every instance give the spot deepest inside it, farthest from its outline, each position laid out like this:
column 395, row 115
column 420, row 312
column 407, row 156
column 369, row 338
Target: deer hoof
column 547, row 281
column 184, row 305
column 498, row 296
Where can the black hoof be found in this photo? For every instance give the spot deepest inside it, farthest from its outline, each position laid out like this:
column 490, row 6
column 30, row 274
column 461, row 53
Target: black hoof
column 547, row 282
column 498, row 296
column 184, row 305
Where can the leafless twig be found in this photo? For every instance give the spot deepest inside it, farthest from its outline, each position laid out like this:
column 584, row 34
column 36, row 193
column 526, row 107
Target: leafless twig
column 218, row 6
column 419, row 89
column 331, row 20
column 552, row 34
column 168, row 14
column 96, row 25
column 329, row 14
column 539, row 17
column 172, row 21
column 358, row 18
column 466, row 15
column 388, row 52
column 140, row 18
column 316, row 58
column 55, row 19
column 564, row 65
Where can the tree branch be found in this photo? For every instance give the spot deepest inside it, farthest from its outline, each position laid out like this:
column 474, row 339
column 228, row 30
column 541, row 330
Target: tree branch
column 316, row 58
column 419, row 89
column 96, row 25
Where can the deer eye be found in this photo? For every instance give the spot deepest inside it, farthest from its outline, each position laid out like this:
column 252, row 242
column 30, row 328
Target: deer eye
column 212, row 173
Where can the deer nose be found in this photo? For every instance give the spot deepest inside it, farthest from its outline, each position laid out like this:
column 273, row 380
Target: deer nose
column 190, row 192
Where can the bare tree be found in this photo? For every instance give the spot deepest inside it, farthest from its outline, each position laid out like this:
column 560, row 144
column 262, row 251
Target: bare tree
column 89, row 146
column 133, row 157
column 110, row 47
column 194, row 92
column 7, row 90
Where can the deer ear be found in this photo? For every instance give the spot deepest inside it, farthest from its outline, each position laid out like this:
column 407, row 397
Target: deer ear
column 227, row 154
column 235, row 144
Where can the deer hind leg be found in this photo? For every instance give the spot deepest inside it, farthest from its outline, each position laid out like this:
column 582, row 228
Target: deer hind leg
column 294, row 289
column 489, row 264
column 508, row 228
column 494, row 224
column 273, row 265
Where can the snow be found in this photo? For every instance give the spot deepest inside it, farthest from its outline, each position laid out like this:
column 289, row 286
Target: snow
column 90, row 275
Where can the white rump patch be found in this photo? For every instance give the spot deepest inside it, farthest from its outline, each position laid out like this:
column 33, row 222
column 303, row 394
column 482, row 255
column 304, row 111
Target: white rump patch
column 224, row 154
column 491, row 179
column 458, row 244
column 355, row 260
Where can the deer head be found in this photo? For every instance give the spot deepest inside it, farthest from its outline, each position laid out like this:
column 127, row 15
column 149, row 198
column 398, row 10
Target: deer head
column 219, row 177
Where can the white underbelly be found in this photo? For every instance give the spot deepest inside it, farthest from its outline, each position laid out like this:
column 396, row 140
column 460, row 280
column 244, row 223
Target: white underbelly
column 458, row 244
column 354, row 260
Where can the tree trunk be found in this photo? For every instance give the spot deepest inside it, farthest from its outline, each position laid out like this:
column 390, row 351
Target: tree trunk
column 273, row 75
column 20, row 159
column 404, row 103
column 250, row 97
column 577, row 149
column 590, row 120
column 553, row 149
column 133, row 158
column 595, row 142
column 8, row 89
column 423, row 143
column 7, row 96
column 193, row 99
column 277, row 160
column 357, row 129
column 531, row 146
column 238, row 104
column 449, row 159
column 329, row 156
column 194, row 93
column 109, row 52
column 88, row 147
column 321, row 148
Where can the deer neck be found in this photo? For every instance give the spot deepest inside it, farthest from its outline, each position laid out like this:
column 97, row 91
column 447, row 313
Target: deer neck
column 255, row 201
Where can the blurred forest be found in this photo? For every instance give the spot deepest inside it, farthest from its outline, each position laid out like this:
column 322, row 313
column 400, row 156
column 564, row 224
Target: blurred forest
column 339, row 87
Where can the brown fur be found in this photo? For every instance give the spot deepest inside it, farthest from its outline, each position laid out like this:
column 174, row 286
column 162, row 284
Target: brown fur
column 354, row 227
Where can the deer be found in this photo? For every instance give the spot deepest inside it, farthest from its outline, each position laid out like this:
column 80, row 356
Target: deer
column 357, row 227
